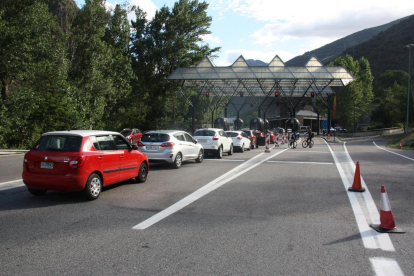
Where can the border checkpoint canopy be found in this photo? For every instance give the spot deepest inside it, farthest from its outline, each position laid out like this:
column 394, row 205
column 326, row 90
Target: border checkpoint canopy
column 290, row 81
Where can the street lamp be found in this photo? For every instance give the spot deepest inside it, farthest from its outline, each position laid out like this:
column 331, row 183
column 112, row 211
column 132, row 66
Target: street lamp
column 409, row 46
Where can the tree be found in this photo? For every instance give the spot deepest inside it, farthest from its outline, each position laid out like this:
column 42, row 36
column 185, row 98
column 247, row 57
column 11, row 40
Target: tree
column 173, row 38
column 354, row 102
column 391, row 92
column 26, row 37
column 33, row 71
column 100, row 71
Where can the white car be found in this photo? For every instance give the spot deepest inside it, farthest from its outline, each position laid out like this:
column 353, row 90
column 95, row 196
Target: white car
column 171, row 146
column 240, row 140
column 214, row 140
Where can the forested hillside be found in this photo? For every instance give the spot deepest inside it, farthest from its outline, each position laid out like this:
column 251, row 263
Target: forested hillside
column 62, row 67
column 332, row 50
column 385, row 51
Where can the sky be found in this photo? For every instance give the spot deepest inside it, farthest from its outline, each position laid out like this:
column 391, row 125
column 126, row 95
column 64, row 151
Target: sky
column 262, row 29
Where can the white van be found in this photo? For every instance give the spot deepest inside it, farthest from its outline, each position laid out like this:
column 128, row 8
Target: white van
column 304, row 129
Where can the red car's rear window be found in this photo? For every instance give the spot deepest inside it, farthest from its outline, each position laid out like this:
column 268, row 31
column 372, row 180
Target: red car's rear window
column 62, row 143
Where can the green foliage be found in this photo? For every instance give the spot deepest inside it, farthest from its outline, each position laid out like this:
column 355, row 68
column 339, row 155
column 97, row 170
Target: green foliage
column 79, row 68
column 354, row 102
column 171, row 39
column 391, row 96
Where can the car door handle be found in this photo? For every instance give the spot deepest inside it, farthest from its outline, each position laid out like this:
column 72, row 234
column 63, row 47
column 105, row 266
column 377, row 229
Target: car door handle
column 100, row 157
column 121, row 156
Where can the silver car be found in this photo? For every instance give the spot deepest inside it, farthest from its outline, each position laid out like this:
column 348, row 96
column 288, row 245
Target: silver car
column 171, row 146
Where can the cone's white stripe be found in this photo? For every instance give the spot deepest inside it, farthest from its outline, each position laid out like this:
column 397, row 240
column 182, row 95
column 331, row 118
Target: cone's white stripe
column 385, row 204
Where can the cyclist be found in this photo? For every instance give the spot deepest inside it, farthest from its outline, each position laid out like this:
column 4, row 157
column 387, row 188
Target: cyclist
column 310, row 136
column 292, row 140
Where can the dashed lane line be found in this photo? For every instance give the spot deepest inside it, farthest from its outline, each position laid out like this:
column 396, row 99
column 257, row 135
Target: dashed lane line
column 213, row 185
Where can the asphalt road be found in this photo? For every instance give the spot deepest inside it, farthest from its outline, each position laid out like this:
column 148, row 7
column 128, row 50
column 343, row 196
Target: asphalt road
column 287, row 212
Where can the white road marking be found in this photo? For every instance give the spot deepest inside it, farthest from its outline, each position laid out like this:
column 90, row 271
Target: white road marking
column 385, row 267
column 226, row 160
column 9, row 182
column 298, row 162
column 393, row 152
column 360, row 202
column 218, row 182
column 11, row 187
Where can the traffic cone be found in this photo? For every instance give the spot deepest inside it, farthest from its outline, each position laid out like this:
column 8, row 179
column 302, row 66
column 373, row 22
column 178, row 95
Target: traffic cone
column 356, row 186
column 387, row 224
column 400, row 146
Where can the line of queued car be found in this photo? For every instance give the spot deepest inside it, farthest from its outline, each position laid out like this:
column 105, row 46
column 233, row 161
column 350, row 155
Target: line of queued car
column 88, row 160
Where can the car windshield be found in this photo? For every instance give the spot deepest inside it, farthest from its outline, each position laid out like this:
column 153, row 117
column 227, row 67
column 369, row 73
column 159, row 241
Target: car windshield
column 58, row 143
column 205, row 133
column 155, row 137
column 126, row 132
column 232, row 134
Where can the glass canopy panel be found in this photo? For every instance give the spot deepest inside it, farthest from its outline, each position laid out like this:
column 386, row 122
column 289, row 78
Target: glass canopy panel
column 301, row 73
column 225, row 73
column 207, row 73
column 313, row 61
column 319, row 72
column 244, row 72
column 189, row 73
column 262, row 72
column 281, row 73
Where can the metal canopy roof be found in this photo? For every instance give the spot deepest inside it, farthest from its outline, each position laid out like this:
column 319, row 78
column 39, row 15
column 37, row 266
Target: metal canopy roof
column 291, row 81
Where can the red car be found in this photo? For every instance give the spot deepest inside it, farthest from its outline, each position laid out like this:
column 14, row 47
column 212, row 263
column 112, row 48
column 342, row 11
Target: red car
column 82, row 160
column 133, row 135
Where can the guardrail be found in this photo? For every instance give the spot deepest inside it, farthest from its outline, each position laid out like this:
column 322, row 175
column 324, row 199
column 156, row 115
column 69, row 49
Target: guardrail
column 372, row 132
column 12, row 151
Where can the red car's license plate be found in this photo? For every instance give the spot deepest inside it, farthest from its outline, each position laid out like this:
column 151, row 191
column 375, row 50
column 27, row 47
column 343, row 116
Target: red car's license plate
column 46, row 165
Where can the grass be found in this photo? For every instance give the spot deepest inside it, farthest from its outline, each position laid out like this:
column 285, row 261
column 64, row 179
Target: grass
column 395, row 139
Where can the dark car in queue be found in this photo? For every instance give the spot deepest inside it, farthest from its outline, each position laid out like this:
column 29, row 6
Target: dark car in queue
column 82, row 160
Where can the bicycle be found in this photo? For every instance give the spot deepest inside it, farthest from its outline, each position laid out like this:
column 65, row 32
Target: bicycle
column 305, row 143
column 293, row 144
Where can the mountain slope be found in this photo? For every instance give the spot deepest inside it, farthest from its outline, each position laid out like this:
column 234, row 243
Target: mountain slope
column 386, row 51
column 331, row 50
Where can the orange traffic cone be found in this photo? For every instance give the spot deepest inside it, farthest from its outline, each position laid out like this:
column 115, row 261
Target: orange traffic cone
column 387, row 224
column 400, row 146
column 356, row 186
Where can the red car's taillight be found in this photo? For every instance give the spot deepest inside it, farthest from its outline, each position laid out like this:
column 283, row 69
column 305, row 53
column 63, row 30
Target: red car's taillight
column 167, row 145
column 216, row 137
column 25, row 166
column 140, row 144
column 77, row 161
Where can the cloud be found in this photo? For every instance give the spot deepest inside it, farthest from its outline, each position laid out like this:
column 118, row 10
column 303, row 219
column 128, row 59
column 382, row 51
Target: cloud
column 146, row 5
column 285, row 20
column 211, row 38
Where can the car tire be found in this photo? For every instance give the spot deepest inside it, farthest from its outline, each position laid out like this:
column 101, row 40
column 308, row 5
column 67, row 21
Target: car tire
column 231, row 150
column 142, row 173
column 200, row 157
column 178, row 161
column 219, row 153
column 37, row 192
column 93, row 187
